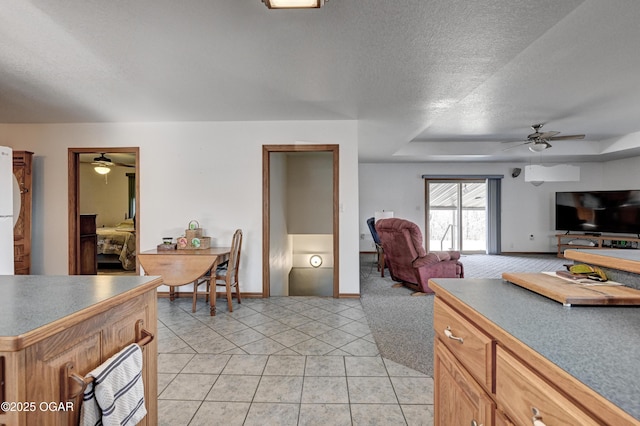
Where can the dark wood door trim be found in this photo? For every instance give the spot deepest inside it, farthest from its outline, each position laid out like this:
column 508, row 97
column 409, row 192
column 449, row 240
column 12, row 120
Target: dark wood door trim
column 74, row 200
column 266, row 217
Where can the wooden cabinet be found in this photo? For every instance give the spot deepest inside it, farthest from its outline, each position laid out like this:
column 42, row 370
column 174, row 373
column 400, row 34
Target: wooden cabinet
column 485, row 376
column 577, row 241
column 524, row 394
column 459, row 400
column 22, row 170
column 88, row 245
column 39, row 372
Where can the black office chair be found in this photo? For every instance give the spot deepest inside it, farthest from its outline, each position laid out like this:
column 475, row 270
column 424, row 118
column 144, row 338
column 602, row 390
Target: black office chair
column 371, row 222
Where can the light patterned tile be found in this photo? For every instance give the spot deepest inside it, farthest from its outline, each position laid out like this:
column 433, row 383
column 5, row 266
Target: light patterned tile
column 413, row 390
column 279, row 389
column 234, row 388
column 377, row 414
column 312, row 347
column 325, row 415
column 400, row 370
column 192, row 387
column 172, row 363
column 229, row 413
column 290, row 337
column 325, row 366
column 371, row 390
column 361, row 347
column 283, row 365
column 172, row 413
column 246, row 365
column 314, row 328
column 418, row 415
column 325, row 390
column 365, row 366
column 266, row 413
column 206, row 364
column 264, row 346
column 336, row 338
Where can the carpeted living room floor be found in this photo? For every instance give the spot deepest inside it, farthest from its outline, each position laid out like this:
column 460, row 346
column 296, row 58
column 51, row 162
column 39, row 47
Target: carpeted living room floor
column 403, row 325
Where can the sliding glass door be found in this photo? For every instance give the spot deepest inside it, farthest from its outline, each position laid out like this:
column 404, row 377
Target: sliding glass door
column 456, row 215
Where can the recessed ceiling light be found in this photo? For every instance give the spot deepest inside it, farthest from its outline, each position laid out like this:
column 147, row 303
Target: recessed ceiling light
column 293, row 4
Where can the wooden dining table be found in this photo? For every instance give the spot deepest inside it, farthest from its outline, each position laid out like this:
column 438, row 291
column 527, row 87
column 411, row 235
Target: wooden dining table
column 182, row 267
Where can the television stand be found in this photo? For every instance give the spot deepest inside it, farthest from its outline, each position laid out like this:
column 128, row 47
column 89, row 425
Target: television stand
column 587, row 241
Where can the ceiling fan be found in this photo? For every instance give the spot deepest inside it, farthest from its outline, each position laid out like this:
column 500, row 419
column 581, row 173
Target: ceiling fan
column 102, row 164
column 540, row 140
column 104, row 161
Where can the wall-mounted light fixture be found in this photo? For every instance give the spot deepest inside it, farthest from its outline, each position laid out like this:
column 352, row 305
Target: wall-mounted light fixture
column 294, row 4
column 315, row 261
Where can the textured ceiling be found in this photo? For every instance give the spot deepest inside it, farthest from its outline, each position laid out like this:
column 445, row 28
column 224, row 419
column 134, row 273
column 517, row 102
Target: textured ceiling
column 427, row 80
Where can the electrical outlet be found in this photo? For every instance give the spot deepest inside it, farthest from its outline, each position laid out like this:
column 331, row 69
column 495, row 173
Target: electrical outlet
column 362, row 236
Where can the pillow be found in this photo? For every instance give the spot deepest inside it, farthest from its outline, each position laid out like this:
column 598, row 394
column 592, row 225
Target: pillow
column 126, row 225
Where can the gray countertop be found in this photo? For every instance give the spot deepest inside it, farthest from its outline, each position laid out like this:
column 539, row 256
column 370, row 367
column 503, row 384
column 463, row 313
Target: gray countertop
column 28, row 302
column 599, row 346
column 631, row 255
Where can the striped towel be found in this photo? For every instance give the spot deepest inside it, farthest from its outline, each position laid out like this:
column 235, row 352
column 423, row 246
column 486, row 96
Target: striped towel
column 116, row 395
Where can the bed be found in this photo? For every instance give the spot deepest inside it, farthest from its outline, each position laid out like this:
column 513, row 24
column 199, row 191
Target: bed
column 117, row 245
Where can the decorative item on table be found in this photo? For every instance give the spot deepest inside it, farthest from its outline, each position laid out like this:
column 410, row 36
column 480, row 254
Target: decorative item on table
column 194, row 238
column 182, row 243
column 167, row 244
column 582, row 271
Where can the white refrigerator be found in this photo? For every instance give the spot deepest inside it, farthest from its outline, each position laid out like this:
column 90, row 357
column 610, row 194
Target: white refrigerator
column 6, row 211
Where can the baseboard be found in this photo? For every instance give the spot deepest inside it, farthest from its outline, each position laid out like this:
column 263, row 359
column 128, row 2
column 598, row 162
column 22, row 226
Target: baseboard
column 189, row 294
column 527, row 252
column 349, row 296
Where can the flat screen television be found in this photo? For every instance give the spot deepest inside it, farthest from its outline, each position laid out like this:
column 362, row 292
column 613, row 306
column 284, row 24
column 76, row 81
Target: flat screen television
column 598, row 211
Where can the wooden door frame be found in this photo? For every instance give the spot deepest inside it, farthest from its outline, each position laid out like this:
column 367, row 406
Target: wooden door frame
column 266, row 210
column 74, row 200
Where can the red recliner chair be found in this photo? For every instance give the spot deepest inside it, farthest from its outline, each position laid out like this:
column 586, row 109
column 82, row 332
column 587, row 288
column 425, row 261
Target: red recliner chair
column 407, row 259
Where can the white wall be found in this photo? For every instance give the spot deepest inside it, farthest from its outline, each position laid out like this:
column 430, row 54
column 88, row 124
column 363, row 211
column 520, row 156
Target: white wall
column 208, row 171
column 526, row 209
column 310, row 193
column 622, row 174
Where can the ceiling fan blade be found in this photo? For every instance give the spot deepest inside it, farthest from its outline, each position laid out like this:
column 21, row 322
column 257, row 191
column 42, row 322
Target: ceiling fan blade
column 565, row 138
column 547, row 135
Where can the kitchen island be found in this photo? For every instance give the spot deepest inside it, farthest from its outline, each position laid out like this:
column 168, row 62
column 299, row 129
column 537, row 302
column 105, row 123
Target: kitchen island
column 506, row 355
column 56, row 329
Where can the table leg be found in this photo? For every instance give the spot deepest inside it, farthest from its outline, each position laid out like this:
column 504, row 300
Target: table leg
column 212, row 289
column 172, row 293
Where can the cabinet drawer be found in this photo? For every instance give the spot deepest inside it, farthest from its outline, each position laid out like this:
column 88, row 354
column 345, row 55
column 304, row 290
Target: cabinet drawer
column 467, row 342
column 520, row 390
column 458, row 399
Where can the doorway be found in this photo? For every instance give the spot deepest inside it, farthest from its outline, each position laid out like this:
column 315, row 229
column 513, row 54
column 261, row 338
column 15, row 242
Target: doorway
column 456, row 215
column 277, row 262
column 126, row 219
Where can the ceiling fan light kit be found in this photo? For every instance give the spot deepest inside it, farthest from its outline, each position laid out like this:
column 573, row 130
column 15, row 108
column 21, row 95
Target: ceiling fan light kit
column 539, row 146
column 102, row 165
column 294, row 4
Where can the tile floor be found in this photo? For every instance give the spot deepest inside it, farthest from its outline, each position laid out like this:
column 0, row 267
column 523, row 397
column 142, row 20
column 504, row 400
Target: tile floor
column 281, row 361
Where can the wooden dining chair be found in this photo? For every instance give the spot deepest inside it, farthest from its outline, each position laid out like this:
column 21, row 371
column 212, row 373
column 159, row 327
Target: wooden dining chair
column 227, row 276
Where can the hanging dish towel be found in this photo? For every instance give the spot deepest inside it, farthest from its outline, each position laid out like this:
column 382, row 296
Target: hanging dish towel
column 115, row 397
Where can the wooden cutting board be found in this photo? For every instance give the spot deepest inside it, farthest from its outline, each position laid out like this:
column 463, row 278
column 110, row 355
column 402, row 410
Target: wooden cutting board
column 572, row 293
